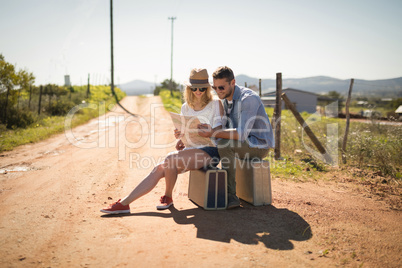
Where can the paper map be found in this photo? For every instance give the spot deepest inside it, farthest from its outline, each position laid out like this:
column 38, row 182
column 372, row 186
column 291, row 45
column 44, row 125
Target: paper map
column 187, row 125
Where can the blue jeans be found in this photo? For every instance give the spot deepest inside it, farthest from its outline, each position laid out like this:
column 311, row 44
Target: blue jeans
column 213, row 153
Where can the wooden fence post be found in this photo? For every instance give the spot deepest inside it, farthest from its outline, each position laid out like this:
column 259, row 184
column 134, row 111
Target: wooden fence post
column 277, row 116
column 345, row 137
column 259, row 86
column 89, row 92
column 6, row 106
column 49, row 92
column 18, row 98
column 30, row 96
column 40, row 98
column 304, row 125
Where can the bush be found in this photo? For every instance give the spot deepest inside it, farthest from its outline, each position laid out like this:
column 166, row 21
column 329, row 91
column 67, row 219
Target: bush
column 19, row 118
column 376, row 146
column 24, row 126
column 171, row 104
column 61, row 107
column 3, row 128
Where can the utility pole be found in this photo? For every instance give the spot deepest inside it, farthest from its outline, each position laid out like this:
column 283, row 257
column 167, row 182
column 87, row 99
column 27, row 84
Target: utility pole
column 40, row 99
column 112, row 61
column 171, row 59
column 111, row 50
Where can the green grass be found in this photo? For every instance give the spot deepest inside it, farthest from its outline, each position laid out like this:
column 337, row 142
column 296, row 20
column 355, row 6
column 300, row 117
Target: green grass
column 370, row 146
column 376, row 147
column 292, row 169
column 357, row 110
column 171, row 104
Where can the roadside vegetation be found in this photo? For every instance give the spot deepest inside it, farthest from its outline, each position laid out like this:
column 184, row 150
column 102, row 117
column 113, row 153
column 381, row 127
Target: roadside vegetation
column 373, row 153
column 171, row 104
column 31, row 113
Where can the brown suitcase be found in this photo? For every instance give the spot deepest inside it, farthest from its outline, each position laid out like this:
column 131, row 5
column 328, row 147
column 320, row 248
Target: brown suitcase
column 253, row 182
column 208, row 189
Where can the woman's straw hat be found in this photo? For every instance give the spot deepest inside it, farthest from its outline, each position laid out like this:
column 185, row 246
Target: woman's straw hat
column 198, row 78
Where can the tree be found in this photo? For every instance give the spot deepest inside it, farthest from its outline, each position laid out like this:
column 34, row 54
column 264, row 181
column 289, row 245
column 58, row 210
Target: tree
column 334, row 95
column 166, row 85
column 394, row 104
column 11, row 82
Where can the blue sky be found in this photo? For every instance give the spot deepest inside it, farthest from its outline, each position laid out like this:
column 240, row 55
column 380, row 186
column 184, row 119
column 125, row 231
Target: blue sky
column 343, row 39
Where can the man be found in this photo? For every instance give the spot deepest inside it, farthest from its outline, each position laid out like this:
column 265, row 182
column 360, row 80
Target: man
column 246, row 133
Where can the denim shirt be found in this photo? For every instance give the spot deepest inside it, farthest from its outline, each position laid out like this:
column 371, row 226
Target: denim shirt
column 249, row 118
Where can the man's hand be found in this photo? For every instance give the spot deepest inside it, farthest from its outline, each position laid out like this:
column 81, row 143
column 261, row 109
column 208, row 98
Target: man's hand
column 205, row 130
column 180, row 145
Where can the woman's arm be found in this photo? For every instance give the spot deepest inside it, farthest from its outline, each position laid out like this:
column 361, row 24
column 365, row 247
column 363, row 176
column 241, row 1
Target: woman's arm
column 205, row 130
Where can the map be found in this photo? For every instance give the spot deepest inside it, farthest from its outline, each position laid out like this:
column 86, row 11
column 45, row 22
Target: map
column 187, row 125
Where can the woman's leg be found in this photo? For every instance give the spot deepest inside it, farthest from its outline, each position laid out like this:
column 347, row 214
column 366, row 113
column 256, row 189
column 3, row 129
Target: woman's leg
column 174, row 164
column 146, row 185
column 182, row 161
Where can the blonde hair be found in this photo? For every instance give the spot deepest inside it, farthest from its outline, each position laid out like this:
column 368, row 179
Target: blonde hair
column 189, row 97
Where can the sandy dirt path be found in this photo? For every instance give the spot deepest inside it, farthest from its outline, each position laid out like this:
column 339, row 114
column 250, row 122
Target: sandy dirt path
column 50, row 212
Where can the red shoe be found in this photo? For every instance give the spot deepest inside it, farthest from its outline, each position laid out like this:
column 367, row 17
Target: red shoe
column 116, row 208
column 166, row 202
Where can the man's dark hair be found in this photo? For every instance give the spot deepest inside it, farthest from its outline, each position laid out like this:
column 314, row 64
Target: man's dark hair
column 223, row 72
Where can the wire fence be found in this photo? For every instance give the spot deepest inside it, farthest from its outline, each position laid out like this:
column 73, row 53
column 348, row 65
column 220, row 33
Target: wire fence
column 22, row 107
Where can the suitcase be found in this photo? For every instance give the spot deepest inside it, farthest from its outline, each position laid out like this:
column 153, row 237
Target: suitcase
column 253, row 181
column 208, row 188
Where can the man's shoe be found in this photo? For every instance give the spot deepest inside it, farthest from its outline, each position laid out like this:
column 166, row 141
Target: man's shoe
column 116, row 208
column 233, row 201
column 166, row 202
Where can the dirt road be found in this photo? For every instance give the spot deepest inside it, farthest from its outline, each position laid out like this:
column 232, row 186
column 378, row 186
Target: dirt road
column 51, row 193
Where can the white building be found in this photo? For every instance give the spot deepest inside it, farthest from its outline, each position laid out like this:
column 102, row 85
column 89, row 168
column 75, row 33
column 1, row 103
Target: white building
column 399, row 110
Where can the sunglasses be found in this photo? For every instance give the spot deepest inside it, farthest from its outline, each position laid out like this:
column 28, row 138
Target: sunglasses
column 220, row 88
column 201, row 89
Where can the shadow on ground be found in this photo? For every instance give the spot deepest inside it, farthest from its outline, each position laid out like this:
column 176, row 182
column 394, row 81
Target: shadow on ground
column 248, row 225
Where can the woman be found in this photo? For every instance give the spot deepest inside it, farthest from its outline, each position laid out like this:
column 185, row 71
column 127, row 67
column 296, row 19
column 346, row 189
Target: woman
column 198, row 102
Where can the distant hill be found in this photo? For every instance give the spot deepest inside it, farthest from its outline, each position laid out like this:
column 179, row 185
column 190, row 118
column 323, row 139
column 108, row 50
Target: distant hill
column 391, row 88
column 138, row 87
